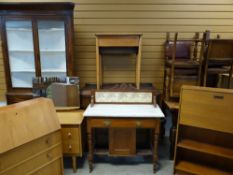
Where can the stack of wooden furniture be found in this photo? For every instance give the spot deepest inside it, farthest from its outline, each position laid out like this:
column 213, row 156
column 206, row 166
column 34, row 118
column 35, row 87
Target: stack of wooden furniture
column 37, row 41
column 204, row 142
column 30, row 139
column 217, row 59
column 182, row 67
column 72, row 134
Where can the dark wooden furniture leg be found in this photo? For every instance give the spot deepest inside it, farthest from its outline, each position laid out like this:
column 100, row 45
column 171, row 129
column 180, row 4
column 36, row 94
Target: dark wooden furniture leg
column 173, row 129
column 155, row 149
column 90, row 147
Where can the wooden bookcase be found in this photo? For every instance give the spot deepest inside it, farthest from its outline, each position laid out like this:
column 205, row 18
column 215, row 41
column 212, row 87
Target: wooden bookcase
column 204, row 142
column 37, row 40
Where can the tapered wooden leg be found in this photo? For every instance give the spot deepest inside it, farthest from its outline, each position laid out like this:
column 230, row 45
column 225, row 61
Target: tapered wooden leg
column 155, row 151
column 90, row 154
column 74, row 164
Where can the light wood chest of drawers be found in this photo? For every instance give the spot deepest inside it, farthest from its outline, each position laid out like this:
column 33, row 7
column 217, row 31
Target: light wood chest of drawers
column 30, row 139
column 71, row 122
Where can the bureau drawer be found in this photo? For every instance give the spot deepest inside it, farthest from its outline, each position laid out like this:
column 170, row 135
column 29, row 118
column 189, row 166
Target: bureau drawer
column 35, row 162
column 24, row 152
column 55, row 168
column 123, row 123
column 69, row 133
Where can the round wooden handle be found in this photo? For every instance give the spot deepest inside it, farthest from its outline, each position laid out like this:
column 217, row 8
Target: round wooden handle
column 69, row 134
column 49, row 156
column 47, row 141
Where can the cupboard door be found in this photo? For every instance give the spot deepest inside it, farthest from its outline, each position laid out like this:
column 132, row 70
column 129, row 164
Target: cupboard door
column 52, row 47
column 19, row 37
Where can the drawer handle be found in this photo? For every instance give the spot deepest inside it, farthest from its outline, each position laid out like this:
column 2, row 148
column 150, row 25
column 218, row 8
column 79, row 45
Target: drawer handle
column 69, row 134
column 107, row 122
column 70, row 147
column 47, row 141
column 138, row 123
column 49, row 156
column 219, row 97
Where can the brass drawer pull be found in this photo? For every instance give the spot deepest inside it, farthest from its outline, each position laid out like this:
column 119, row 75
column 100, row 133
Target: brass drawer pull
column 107, row 122
column 69, row 134
column 70, row 147
column 138, row 123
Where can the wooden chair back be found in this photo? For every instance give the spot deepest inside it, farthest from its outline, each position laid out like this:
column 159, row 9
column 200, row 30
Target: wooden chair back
column 186, row 73
column 218, row 58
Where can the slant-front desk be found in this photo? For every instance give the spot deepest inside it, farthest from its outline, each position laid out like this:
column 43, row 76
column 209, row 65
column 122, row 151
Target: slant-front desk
column 122, row 120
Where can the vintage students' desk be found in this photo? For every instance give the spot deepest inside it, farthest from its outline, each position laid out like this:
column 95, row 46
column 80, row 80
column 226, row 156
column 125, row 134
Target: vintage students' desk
column 30, row 139
column 71, row 122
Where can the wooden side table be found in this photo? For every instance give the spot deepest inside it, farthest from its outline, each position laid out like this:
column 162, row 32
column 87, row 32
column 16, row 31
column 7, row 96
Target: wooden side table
column 71, row 122
column 173, row 107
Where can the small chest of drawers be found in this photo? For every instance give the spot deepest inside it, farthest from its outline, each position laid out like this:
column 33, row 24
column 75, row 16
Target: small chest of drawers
column 71, row 122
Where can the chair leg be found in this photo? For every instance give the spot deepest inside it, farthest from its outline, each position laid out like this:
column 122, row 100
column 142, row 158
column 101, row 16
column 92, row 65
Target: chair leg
column 230, row 76
column 205, row 74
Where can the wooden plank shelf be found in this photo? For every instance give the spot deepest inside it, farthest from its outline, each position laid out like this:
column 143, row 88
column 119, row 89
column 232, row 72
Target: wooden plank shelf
column 193, row 168
column 206, row 148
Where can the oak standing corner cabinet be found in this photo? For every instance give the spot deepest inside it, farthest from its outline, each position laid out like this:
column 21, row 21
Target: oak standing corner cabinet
column 30, row 139
column 37, row 40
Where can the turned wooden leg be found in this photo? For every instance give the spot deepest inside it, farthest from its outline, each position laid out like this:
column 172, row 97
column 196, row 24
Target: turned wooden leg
column 90, row 154
column 74, row 164
column 173, row 132
column 155, row 150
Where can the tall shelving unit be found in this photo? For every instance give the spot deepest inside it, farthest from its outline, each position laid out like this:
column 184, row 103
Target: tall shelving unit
column 37, row 40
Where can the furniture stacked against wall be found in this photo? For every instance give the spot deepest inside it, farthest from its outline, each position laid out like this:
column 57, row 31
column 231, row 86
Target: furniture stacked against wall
column 72, row 134
column 182, row 66
column 30, row 139
column 122, row 113
column 223, row 81
column 217, row 59
column 37, row 40
column 204, row 142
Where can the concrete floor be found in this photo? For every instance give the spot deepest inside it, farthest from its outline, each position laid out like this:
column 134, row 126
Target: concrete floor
column 104, row 165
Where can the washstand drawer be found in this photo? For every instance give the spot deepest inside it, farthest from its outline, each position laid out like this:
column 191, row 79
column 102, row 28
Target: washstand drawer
column 124, row 123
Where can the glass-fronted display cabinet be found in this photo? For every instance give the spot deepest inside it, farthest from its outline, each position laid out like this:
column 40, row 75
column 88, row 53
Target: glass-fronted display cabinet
column 37, row 40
